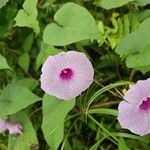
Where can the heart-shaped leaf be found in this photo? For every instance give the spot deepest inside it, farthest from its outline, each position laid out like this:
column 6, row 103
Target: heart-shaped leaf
column 54, row 113
column 140, row 59
column 73, row 23
column 27, row 17
column 29, row 83
column 15, row 98
column 136, row 41
column 109, row 4
column 136, row 46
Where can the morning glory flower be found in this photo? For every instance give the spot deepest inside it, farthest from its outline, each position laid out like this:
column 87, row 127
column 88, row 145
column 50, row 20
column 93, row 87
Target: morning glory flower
column 134, row 111
column 66, row 75
column 12, row 128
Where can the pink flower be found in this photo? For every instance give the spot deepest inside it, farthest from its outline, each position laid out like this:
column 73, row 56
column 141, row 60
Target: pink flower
column 66, row 75
column 134, row 111
column 14, row 128
column 2, row 126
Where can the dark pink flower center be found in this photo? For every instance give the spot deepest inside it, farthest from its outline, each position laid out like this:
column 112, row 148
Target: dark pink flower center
column 145, row 104
column 66, row 74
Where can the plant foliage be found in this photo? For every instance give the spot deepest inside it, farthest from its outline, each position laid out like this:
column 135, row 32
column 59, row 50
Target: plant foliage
column 115, row 36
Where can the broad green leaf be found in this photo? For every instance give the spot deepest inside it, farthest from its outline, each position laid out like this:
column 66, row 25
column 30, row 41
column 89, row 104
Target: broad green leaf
column 140, row 59
column 27, row 17
column 136, row 41
column 7, row 15
column 45, row 52
column 142, row 2
column 73, row 23
column 27, row 139
column 54, row 113
column 136, row 46
column 143, row 69
column 15, row 98
column 24, row 61
column 3, row 63
column 28, row 41
column 29, row 83
column 3, row 3
column 109, row 4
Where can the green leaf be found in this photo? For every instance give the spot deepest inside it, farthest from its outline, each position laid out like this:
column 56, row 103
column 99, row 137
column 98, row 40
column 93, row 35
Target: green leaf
column 28, row 41
column 140, row 59
column 27, row 17
column 45, row 52
column 7, row 15
column 132, row 136
column 95, row 146
column 76, row 144
column 142, row 2
column 136, row 41
column 15, row 98
column 29, row 83
column 103, row 111
column 143, row 69
column 122, row 144
column 24, row 61
column 3, row 63
column 3, row 3
column 109, row 4
column 73, row 23
column 136, row 46
column 27, row 139
column 54, row 113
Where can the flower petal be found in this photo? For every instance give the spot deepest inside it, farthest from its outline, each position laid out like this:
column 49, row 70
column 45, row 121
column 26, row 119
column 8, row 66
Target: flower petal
column 138, row 92
column 82, row 78
column 132, row 118
column 56, row 88
column 56, row 62
column 75, row 88
column 14, row 128
column 80, row 64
